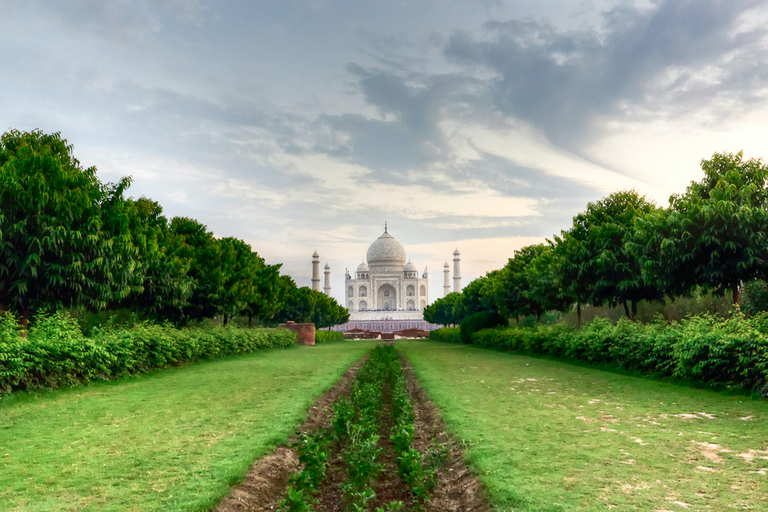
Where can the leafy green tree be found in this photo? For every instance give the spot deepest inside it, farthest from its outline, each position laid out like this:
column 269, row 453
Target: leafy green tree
column 267, row 300
column 715, row 235
column 545, row 286
column 594, row 261
column 167, row 285
column 65, row 235
column 198, row 245
column 441, row 311
column 512, row 294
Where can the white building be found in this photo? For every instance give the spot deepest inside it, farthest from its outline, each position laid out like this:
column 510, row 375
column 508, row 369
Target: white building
column 386, row 282
column 386, row 293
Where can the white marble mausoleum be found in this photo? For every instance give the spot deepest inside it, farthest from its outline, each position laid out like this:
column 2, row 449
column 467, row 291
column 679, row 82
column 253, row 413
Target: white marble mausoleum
column 386, row 293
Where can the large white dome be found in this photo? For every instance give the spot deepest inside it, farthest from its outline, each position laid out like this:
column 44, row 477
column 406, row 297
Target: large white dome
column 386, row 251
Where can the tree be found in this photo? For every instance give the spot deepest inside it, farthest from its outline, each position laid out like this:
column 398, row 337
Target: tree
column 545, row 286
column 715, row 235
column 65, row 236
column 267, row 300
column 199, row 246
column 167, row 286
column 512, row 294
column 238, row 271
column 441, row 311
column 594, row 260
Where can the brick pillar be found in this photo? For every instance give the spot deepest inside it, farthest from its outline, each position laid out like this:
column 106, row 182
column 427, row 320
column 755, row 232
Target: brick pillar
column 305, row 333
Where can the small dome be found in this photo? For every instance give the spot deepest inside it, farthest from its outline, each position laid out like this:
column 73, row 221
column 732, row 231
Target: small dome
column 386, row 251
column 315, row 255
column 446, row 265
column 327, row 266
column 456, row 252
column 362, row 267
column 410, row 267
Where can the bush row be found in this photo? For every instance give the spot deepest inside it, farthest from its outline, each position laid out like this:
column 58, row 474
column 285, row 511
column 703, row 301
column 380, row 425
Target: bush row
column 327, row 336
column 729, row 351
column 55, row 352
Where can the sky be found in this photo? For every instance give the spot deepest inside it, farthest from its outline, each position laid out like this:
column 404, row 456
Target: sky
column 482, row 125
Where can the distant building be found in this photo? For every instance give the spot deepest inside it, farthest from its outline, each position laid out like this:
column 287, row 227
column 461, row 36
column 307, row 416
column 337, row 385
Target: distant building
column 386, row 293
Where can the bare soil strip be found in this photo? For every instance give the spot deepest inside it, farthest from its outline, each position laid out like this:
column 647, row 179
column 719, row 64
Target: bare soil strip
column 458, row 490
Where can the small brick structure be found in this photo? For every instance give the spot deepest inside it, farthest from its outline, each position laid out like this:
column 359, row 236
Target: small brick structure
column 305, row 333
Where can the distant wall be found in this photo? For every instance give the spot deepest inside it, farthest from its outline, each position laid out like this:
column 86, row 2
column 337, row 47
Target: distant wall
column 305, row 333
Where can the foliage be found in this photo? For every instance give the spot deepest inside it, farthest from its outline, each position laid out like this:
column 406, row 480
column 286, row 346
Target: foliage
column 56, row 353
column 754, row 298
column 715, row 235
column 304, row 305
column 477, row 321
column 513, row 289
column 167, row 285
column 442, row 311
column 729, row 351
column 447, row 334
column 328, row 336
column 593, row 257
column 64, row 237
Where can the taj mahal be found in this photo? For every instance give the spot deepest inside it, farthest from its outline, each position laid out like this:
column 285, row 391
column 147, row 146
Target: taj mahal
column 386, row 293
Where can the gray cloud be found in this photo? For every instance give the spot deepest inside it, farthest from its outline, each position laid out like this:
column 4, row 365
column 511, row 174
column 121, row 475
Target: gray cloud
column 638, row 63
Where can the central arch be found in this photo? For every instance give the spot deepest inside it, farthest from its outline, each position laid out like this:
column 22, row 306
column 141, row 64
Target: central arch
column 386, row 297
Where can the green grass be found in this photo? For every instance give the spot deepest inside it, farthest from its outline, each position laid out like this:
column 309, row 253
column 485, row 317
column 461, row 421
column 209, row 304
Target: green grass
column 172, row 440
column 549, row 436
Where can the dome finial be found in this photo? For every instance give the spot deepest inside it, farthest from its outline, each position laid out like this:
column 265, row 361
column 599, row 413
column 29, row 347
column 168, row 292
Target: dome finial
column 385, row 226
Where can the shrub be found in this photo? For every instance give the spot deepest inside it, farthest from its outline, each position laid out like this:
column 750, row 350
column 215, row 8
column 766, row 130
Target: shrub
column 327, row 336
column 706, row 348
column 449, row 334
column 478, row 321
column 56, row 353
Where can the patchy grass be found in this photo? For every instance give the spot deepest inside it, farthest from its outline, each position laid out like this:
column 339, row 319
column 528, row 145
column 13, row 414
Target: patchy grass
column 549, row 436
column 172, row 440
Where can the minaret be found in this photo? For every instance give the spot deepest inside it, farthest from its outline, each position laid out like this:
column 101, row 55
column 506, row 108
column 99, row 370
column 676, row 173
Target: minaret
column 456, row 271
column 446, row 280
column 327, row 287
column 316, row 272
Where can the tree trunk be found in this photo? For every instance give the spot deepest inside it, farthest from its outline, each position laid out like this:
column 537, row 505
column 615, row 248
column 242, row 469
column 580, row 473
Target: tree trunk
column 634, row 310
column 578, row 314
column 226, row 320
column 250, row 320
column 517, row 319
column 538, row 318
column 626, row 310
column 736, row 294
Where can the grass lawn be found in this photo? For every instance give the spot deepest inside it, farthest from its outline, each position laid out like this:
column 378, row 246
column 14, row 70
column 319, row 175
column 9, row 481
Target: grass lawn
column 549, row 436
column 171, row 440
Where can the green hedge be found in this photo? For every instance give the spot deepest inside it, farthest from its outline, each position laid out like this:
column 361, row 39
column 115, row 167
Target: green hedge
column 326, row 336
column 729, row 351
column 449, row 334
column 55, row 352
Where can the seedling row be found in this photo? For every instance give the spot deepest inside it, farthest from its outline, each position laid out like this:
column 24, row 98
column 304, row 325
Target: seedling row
column 353, row 440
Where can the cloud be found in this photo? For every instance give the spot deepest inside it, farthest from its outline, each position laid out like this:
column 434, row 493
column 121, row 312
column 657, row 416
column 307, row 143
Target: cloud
column 674, row 58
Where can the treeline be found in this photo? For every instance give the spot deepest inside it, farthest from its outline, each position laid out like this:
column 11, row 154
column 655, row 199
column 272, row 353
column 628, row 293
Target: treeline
column 625, row 249
column 68, row 240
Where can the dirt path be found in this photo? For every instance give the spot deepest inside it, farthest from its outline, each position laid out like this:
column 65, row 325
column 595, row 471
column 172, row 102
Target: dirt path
column 458, row 490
